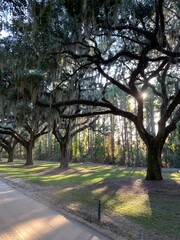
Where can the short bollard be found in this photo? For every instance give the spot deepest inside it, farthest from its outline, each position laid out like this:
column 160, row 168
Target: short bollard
column 99, row 210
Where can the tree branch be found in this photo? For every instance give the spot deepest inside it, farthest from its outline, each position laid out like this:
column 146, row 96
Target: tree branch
column 14, row 134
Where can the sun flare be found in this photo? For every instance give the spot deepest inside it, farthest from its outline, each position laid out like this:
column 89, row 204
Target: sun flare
column 144, row 95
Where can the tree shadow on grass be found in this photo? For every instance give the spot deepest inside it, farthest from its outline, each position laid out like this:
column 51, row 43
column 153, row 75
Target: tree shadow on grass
column 160, row 206
column 164, row 202
column 154, row 205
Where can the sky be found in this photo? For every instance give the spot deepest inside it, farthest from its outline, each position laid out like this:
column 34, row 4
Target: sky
column 3, row 34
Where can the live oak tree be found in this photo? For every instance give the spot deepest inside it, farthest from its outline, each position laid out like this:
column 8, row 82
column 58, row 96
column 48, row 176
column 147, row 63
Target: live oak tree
column 64, row 131
column 27, row 127
column 135, row 47
column 8, row 144
column 26, row 141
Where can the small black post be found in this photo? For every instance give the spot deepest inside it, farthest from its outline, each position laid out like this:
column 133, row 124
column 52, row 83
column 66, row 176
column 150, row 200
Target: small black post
column 99, row 210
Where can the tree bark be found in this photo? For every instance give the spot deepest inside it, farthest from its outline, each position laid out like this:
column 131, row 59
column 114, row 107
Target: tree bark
column 112, row 124
column 29, row 160
column 10, row 156
column 65, row 155
column 154, row 163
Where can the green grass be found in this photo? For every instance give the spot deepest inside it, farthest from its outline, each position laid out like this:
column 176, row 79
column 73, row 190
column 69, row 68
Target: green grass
column 94, row 173
column 83, row 185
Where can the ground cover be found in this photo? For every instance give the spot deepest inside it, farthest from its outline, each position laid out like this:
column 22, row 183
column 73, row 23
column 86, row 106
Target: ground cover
column 122, row 192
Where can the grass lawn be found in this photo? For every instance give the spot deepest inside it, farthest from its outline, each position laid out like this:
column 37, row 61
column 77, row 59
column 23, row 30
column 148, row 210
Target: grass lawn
column 121, row 191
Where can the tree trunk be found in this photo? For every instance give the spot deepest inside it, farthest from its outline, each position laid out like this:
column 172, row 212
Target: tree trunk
column 10, row 156
column 112, row 123
column 65, row 155
column 29, row 160
column 154, row 163
column 137, row 161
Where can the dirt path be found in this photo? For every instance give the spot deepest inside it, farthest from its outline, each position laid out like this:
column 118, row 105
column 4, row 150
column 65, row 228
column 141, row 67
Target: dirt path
column 21, row 217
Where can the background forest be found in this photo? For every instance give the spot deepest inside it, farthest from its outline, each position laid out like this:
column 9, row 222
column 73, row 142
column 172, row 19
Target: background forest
column 102, row 144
